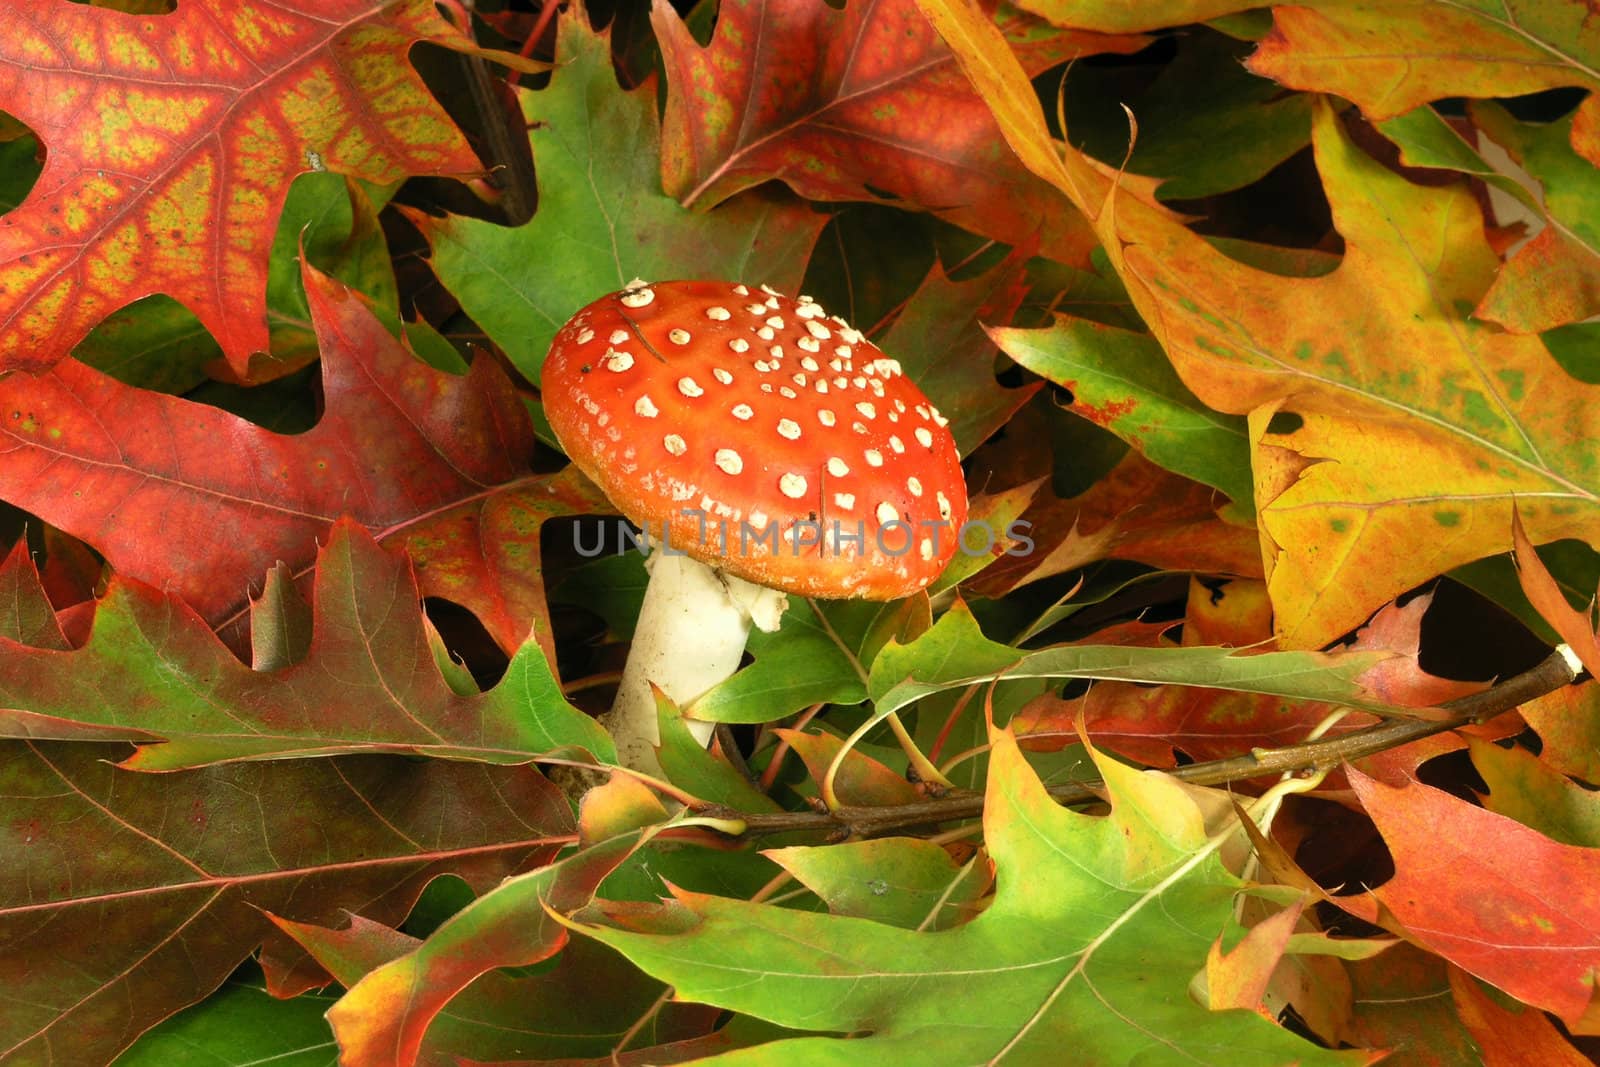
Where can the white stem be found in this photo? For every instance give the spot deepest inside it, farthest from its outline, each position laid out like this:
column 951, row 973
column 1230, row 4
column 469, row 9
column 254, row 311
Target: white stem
column 690, row 636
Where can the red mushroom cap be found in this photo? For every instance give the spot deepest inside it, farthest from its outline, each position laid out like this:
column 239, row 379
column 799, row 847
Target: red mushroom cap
column 759, row 435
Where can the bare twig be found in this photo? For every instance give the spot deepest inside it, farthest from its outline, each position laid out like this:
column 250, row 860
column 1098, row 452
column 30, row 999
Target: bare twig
column 1555, row 671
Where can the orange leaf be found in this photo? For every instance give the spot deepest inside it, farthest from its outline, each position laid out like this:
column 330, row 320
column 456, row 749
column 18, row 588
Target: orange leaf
column 1545, row 595
column 172, row 140
column 1490, row 895
column 1392, row 57
column 1136, row 512
column 1509, row 1038
column 1486, row 417
column 861, row 779
column 1239, row 978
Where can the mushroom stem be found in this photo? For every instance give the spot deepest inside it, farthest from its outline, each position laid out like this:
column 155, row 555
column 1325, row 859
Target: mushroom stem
column 690, row 635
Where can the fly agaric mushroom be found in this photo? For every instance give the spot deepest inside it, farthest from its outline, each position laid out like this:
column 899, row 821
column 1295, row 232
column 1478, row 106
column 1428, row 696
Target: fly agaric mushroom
column 767, row 448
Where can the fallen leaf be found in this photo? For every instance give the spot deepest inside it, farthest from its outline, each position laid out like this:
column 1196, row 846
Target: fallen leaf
column 602, row 218
column 861, row 780
column 1554, row 279
column 1568, row 724
column 432, row 461
column 902, row 881
column 1155, row 724
column 386, row 1013
column 1402, row 1001
column 1508, row 1037
column 1505, row 912
column 1239, row 977
column 153, row 673
column 1120, row 16
column 1488, row 417
column 1138, row 512
column 1122, row 381
column 1393, row 57
column 1576, row 628
column 1526, row 788
column 940, row 340
column 502, row 1015
column 1065, row 956
column 125, row 896
column 174, row 185
column 870, row 106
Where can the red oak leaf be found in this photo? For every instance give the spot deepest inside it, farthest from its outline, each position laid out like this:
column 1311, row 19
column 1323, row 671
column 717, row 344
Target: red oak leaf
column 435, row 462
column 1494, row 897
column 864, row 103
column 172, row 140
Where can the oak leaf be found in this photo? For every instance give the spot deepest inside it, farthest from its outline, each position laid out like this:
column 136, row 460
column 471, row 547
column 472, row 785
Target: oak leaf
column 171, row 143
column 425, row 459
column 387, row 1012
column 862, row 103
column 1089, row 913
column 1389, row 58
column 153, row 673
column 602, row 218
column 127, row 896
column 501, row 1016
column 1554, row 279
column 1485, row 417
column 1497, row 899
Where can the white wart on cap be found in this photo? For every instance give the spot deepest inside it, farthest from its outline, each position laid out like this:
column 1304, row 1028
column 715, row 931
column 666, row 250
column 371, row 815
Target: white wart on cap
column 707, row 407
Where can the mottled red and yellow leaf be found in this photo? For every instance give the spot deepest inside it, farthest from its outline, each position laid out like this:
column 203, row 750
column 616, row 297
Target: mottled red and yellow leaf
column 171, row 141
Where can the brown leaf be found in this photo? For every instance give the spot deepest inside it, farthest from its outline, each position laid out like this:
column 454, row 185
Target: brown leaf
column 126, row 896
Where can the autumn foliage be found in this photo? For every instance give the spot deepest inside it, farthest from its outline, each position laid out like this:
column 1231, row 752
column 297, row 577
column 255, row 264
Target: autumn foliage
column 1271, row 327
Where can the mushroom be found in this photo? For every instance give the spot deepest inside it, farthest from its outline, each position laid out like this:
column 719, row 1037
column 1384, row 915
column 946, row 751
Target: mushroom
column 766, row 448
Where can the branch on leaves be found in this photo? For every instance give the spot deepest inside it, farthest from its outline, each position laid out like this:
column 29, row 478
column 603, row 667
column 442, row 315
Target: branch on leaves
column 1559, row 669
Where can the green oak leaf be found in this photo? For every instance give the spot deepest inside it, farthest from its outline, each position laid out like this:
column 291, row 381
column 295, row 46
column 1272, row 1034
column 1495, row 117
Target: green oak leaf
column 812, row 658
column 1426, row 139
column 603, row 219
column 1122, row 381
column 1205, row 124
column 902, row 881
column 939, row 339
column 955, row 654
column 1553, row 280
column 153, row 673
column 1085, row 954
column 240, row 1023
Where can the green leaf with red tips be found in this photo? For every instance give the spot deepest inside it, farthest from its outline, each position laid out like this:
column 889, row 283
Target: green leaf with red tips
column 501, row 1015
column 171, row 141
column 386, row 1014
column 955, row 654
column 860, row 780
column 1122, row 380
column 153, row 673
